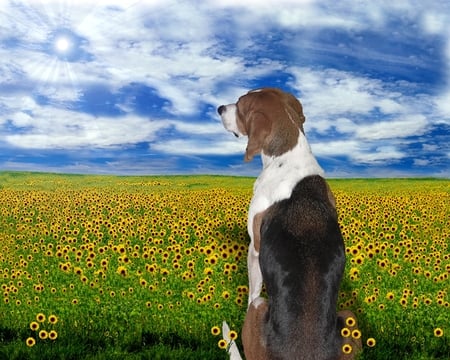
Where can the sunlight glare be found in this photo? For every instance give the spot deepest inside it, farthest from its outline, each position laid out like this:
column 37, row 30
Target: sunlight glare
column 62, row 44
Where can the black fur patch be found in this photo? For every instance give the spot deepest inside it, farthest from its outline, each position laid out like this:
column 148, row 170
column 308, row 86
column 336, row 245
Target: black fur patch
column 302, row 260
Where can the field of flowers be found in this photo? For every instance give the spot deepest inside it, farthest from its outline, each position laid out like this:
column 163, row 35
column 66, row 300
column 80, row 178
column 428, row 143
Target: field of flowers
column 100, row 267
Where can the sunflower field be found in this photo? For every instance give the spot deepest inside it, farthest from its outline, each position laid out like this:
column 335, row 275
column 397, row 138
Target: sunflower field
column 103, row 267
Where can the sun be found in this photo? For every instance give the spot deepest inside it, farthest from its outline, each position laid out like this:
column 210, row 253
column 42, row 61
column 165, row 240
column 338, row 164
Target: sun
column 62, row 44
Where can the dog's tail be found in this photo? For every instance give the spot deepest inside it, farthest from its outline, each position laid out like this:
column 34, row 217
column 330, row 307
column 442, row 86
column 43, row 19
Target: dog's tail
column 232, row 348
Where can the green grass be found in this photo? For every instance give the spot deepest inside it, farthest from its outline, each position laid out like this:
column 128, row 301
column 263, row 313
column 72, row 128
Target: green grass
column 144, row 267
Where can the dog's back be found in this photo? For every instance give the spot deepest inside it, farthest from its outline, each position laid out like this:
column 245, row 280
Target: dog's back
column 302, row 260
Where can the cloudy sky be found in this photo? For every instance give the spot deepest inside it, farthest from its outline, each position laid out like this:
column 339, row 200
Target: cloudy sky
column 132, row 87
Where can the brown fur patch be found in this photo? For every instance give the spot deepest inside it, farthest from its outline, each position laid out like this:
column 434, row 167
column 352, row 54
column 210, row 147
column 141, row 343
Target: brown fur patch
column 257, row 221
column 356, row 344
column 252, row 332
column 271, row 119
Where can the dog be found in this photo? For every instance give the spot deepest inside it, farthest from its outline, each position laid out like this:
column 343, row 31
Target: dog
column 296, row 247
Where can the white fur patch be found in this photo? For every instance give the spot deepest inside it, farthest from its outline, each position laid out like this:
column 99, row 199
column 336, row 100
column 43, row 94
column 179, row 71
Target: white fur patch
column 258, row 302
column 229, row 119
column 233, row 350
column 280, row 175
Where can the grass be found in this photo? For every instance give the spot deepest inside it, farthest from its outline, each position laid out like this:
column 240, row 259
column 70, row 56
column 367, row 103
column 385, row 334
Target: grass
column 146, row 267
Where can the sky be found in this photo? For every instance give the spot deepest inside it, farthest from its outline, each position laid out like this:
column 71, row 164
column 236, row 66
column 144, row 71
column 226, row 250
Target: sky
column 131, row 87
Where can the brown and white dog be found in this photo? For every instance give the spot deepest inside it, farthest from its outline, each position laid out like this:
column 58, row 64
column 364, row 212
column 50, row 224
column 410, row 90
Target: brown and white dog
column 296, row 246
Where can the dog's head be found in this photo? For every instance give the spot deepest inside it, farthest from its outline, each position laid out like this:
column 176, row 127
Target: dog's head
column 271, row 118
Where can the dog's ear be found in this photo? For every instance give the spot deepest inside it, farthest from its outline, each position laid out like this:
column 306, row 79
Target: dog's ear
column 258, row 128
column 294, row 109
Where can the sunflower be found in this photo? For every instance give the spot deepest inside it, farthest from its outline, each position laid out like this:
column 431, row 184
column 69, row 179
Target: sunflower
column 438, row 332
column 347, row 348
column 43, row 334
column 371, row 342
column 34, row 325
column 232, row 335
column 40, row 317
column 52, row 319
column 122, row 270
column 356, row 334
column 222, row 344
column 350, row 321
column 52, row 335
column 30, row 342
column 215, row 330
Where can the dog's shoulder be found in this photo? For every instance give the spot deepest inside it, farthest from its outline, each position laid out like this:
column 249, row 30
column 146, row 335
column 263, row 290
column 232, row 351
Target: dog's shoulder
column 310, row 202
column 303, row 224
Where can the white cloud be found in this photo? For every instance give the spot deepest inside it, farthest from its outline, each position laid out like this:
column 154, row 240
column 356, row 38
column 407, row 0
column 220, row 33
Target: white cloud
column 21, row 119
column 61, row 94
column 310, row 16
column 421, row 162
column 346, row 14
column 49, row 127
column 325, row 93
column 52, row 128
column 430, row 147
column 201, row 147
column 357, row 151
column 443, row 106
column 199, row 128
column 390, row 106
column 383, row 154
column 344, row 125
column 435, row 22
column 393, row 129
column 330, row 92
column 175, row 54
column 337, row 148
column 366, row 109
column 269, row 4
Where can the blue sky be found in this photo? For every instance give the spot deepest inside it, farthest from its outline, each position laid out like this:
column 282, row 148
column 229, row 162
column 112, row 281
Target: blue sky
column 132, row 87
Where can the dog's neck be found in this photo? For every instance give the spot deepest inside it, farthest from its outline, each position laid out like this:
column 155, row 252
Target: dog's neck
column 300, row 157
column 279, row 176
